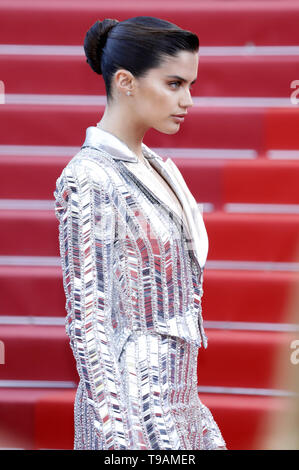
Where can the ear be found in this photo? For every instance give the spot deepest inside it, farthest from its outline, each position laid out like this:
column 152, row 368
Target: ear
column 124, row 80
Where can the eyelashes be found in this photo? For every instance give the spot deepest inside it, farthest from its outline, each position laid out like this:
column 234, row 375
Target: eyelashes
column 179, row 83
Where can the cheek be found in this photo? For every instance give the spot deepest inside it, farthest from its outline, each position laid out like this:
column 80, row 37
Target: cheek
column 159, row 96
column 166, row 103
column 164, row 95
column 156, row 102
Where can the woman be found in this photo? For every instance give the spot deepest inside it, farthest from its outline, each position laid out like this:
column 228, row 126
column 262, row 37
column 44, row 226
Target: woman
column 133, row 247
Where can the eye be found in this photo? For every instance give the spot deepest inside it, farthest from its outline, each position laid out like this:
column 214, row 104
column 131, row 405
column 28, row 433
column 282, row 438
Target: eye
column 179, row 83
column 174, row 83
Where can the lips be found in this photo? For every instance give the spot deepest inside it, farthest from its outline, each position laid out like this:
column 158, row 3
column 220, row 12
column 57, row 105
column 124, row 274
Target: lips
column 178, row 118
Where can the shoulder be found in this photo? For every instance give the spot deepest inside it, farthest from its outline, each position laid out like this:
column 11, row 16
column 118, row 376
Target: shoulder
column 90, row 166
column 88, row 170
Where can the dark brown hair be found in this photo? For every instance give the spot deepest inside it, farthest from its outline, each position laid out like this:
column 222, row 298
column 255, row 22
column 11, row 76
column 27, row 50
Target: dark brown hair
column 137, row 45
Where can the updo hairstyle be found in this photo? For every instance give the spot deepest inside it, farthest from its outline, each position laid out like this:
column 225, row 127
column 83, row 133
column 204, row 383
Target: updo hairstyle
column 137, row 45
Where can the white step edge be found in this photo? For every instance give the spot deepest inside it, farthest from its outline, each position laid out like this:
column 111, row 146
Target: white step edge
column 100, row 100
column 249, row 49
column 61, row 151
column 209, row 324
column 212, row 264
column 201, row 389
column 241, row 208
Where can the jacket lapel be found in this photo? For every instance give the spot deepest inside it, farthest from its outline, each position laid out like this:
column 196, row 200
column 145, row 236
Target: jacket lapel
column 197, row 234
column 195, row 231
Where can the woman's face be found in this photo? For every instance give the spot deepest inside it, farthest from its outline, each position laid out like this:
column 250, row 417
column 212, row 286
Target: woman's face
column 159, row 95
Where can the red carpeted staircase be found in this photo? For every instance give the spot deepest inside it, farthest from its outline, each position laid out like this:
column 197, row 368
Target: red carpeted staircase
column 238, row 151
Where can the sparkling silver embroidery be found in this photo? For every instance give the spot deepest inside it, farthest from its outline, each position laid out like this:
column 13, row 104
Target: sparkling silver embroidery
column 133, row 302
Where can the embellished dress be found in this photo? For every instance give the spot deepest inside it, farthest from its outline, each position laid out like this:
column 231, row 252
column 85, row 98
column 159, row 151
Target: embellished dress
column 133, row 248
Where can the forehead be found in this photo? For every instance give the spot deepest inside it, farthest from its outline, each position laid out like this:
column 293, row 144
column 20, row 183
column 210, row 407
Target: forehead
column 185, row 62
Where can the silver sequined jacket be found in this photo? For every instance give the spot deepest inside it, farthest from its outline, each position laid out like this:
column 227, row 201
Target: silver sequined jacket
column 131, row 266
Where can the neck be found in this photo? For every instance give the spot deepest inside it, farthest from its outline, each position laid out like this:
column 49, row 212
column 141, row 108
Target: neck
column 124, row 128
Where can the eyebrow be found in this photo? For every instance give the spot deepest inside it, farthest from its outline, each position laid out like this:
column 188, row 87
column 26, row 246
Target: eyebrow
column 180, row 78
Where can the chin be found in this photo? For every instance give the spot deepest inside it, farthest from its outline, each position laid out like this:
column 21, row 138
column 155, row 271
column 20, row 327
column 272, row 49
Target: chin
column 168, row 130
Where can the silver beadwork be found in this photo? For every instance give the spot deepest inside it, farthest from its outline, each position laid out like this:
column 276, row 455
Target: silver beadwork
column 133, row 302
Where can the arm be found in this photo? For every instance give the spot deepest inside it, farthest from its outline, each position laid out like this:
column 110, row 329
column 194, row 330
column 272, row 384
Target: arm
column 86, row 233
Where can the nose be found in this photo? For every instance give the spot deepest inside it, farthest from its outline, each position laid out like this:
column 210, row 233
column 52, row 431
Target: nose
column 186, row 100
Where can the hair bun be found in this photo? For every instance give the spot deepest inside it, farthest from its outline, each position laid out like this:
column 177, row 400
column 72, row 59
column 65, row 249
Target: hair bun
column 95, row 40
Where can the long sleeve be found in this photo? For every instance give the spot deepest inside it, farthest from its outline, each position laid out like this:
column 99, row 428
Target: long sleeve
column 133, row 305
column 86, row 232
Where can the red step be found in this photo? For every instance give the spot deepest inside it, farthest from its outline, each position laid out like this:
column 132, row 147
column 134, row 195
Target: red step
column 35, row 352
column 55, row 426
column 217, row 23
column 57, row 410
column 43, row 418
column 255, row 237
column 268, row 294
column 243, row 420
column 246, row 75
column 36, row 176
column 228, row 360
column 260, row 181
column 38, row 230
column 250, row 296
column 33, row 284
column 17, row 416
column 205, row 127
column 240, row 358
column 260, row 129
column 210, row 180
column 229, row 76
